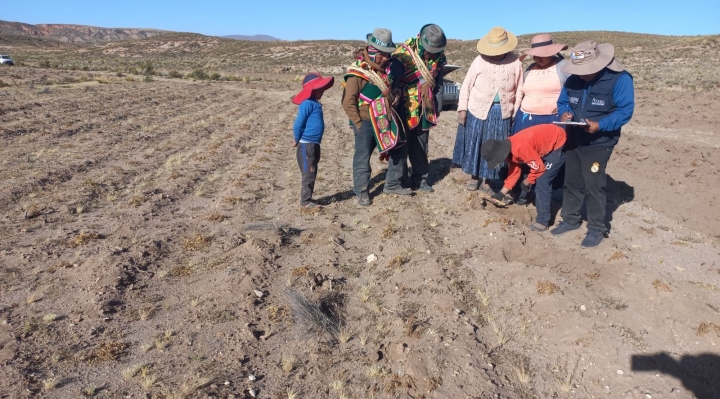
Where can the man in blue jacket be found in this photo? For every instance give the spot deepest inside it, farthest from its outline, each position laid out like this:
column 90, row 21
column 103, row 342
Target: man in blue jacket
column 600, row 94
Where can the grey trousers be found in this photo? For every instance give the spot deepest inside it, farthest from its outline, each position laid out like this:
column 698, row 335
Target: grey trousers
column 364, row 147
column 308, row 156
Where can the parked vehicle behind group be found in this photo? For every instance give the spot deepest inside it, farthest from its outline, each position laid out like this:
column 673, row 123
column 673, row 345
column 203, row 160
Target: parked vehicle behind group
column 6, row 60
column 449, row 96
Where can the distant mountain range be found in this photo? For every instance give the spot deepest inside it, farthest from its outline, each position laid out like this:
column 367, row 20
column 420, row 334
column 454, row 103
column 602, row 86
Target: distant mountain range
column 80, row 34
column 255, row 38
column 77, row 34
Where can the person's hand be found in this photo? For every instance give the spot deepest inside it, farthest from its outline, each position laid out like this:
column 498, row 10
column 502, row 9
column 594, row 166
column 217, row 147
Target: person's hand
column 525, row 186
column 498, row 196
column 554, row 111
column 462, row 116
column 566, row 117
column 592, row 127
column 295, row 144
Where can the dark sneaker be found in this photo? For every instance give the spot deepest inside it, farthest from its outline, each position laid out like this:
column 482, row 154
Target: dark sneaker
column 363, row 199
column 592, row 238
column 537, row 227
column 310, row 205
column 564, row 227
column 398, row 191
column 426, row 187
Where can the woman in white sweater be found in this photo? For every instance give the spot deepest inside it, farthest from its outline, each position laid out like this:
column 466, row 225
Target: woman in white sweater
column 489, row 97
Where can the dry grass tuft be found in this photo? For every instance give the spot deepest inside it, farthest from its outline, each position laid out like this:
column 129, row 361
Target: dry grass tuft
column 547, row 288
column 181, row 271
column 89, row 392
column 316, row 317
column 190, row 387
column 287, row 363
column 300, row 271
column 49, row 384
column 389, row 231
column 216, row 217
column 231, row 200
column 593, row 276
column 705, row 328
column 616, row 256
column 705, row 286
column 196, row 242
column 108, row 351
column 132, row 371
column 277, row 314
column 398, row 261
column 661, row 285
column 522, row 371
column 137, row 201
column 366, row 292
column 82, row 239
column 146, row 312
column 376, row 371
column 49, row 318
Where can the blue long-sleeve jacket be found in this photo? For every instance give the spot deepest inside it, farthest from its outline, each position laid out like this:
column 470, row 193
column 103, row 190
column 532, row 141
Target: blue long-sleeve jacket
column 309, row 124
column 586, row 98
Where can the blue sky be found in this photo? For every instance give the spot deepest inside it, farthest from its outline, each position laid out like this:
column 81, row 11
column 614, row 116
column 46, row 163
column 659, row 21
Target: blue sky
column 326, row 19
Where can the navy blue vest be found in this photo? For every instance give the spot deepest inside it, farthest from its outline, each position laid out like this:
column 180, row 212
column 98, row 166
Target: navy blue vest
column 592, row 101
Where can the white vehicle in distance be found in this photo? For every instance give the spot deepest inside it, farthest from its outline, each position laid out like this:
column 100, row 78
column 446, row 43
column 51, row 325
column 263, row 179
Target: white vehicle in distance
column 450, row 95
column 6, row 60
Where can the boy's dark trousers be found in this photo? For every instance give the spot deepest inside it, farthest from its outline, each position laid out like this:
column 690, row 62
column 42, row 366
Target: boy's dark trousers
column 554, row 162
column 364, row 146
column 308, row 156
column 585, row 180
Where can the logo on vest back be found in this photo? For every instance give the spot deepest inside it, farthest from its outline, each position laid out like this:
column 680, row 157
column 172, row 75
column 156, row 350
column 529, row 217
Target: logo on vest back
column 595, row 101
column 574, row 100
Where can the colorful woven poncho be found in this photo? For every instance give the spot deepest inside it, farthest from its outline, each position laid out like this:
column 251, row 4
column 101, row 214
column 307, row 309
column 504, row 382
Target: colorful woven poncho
column 414, row 111
column 384, row 120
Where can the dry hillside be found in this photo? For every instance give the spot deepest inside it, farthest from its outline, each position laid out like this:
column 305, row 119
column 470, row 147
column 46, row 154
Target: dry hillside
column 657, row 62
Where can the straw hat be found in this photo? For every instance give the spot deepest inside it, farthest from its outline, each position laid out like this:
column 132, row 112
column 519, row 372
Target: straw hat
column 497, row 42
column 589, row 57
column 543, row 46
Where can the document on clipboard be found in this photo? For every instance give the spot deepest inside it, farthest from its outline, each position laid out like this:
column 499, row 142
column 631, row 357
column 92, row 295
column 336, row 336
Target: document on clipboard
column 571, row 123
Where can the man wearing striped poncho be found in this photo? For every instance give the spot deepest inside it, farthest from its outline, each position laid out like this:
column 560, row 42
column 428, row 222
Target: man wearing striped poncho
column 422, row 59
column 369, row 100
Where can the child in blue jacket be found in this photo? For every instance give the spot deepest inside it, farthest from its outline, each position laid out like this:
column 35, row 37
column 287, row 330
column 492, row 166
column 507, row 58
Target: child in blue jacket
column 308, row 131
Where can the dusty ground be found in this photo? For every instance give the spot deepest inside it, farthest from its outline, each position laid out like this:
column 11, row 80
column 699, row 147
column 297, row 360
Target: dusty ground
column 138, row 220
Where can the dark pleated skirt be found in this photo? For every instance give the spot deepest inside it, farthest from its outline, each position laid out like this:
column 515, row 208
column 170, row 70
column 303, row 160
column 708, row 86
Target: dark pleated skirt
column 524, row 121
column 470, row 137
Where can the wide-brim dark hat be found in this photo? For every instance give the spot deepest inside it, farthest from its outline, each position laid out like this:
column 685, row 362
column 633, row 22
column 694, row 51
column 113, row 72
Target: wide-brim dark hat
column 312, row 81
column 381, row 39
column 433, row 38
column 495, row 152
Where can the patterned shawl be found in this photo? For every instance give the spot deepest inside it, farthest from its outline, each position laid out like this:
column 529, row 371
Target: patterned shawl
column 419, row 106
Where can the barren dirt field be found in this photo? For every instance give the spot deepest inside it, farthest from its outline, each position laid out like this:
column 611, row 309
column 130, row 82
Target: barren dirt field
column 152, row 246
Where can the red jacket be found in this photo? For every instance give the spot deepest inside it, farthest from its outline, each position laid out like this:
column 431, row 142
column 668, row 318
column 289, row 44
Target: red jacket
column 529, row 146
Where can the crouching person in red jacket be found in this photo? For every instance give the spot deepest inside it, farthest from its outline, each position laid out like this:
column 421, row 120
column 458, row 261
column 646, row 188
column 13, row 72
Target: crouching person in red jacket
column 540, row 147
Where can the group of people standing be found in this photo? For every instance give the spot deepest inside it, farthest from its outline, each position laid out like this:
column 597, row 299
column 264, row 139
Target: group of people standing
column 523, row 125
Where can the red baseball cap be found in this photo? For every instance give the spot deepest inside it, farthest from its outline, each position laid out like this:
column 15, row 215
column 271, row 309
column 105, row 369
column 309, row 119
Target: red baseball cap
column 312, row 81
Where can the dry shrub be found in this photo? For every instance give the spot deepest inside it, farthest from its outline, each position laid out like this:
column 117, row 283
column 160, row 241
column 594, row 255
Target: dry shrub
column 216, row 217
column 300, row 271
column 616, row 256
column 593, row 276
column 231, row 200
column 317, row 318
column 389, row 231
column 547, row 287
column 137, row 201
column 108, row 351
column 398, row 261
column 305, row 211
column 502, row 220
column 661, row 285
column 196, row 242
column 705, row 328
column 61, row 265
column 82, row 239
column 181, row 271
